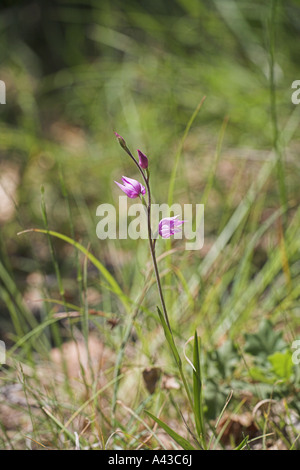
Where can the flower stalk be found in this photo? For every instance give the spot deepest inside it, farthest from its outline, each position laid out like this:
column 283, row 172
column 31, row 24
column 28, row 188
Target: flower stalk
column 167, row 227
column 146, row 178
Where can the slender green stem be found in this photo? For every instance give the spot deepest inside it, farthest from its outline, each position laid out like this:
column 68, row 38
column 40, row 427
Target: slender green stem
column 152, row 242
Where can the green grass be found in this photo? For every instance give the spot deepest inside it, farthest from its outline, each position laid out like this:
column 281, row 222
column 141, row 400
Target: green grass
column 78, row 315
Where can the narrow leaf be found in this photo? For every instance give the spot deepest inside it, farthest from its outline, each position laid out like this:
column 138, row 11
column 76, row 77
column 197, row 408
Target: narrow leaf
column 177, row 438
column 169, row 338
column 197, row 389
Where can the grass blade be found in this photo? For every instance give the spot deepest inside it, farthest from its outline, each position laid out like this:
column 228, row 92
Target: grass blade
column 101, row 268
column 197, row 391
column 177, row 438
column 178, row 155
column 169, row 338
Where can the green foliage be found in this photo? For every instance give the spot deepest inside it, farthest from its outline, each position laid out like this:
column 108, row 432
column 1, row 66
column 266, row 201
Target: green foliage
column 273, row 366
column 270, row 370
column 220, row 366
column 282, row 364
column 222, row 361
column 265, row 342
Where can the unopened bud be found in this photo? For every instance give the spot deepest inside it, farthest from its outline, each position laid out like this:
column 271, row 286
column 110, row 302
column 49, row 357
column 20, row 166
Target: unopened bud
column 121, row 140
column 143, row 160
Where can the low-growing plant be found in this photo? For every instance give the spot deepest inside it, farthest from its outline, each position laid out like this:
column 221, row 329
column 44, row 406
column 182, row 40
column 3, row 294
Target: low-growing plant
column 167, row 227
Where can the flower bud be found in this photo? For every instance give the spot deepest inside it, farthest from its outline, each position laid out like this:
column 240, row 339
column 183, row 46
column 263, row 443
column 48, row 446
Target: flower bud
column 121, row 140
column 143, row 160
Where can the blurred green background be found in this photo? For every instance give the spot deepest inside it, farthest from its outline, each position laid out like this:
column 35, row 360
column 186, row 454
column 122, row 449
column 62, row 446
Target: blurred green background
column 77, row 71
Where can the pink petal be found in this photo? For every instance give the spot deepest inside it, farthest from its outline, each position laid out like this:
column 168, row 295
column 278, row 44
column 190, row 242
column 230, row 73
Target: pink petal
column 130, row 182
column 131, row 193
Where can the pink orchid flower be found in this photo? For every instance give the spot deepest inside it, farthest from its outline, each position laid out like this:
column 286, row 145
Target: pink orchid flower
column 169, row 225
column 131, row 187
